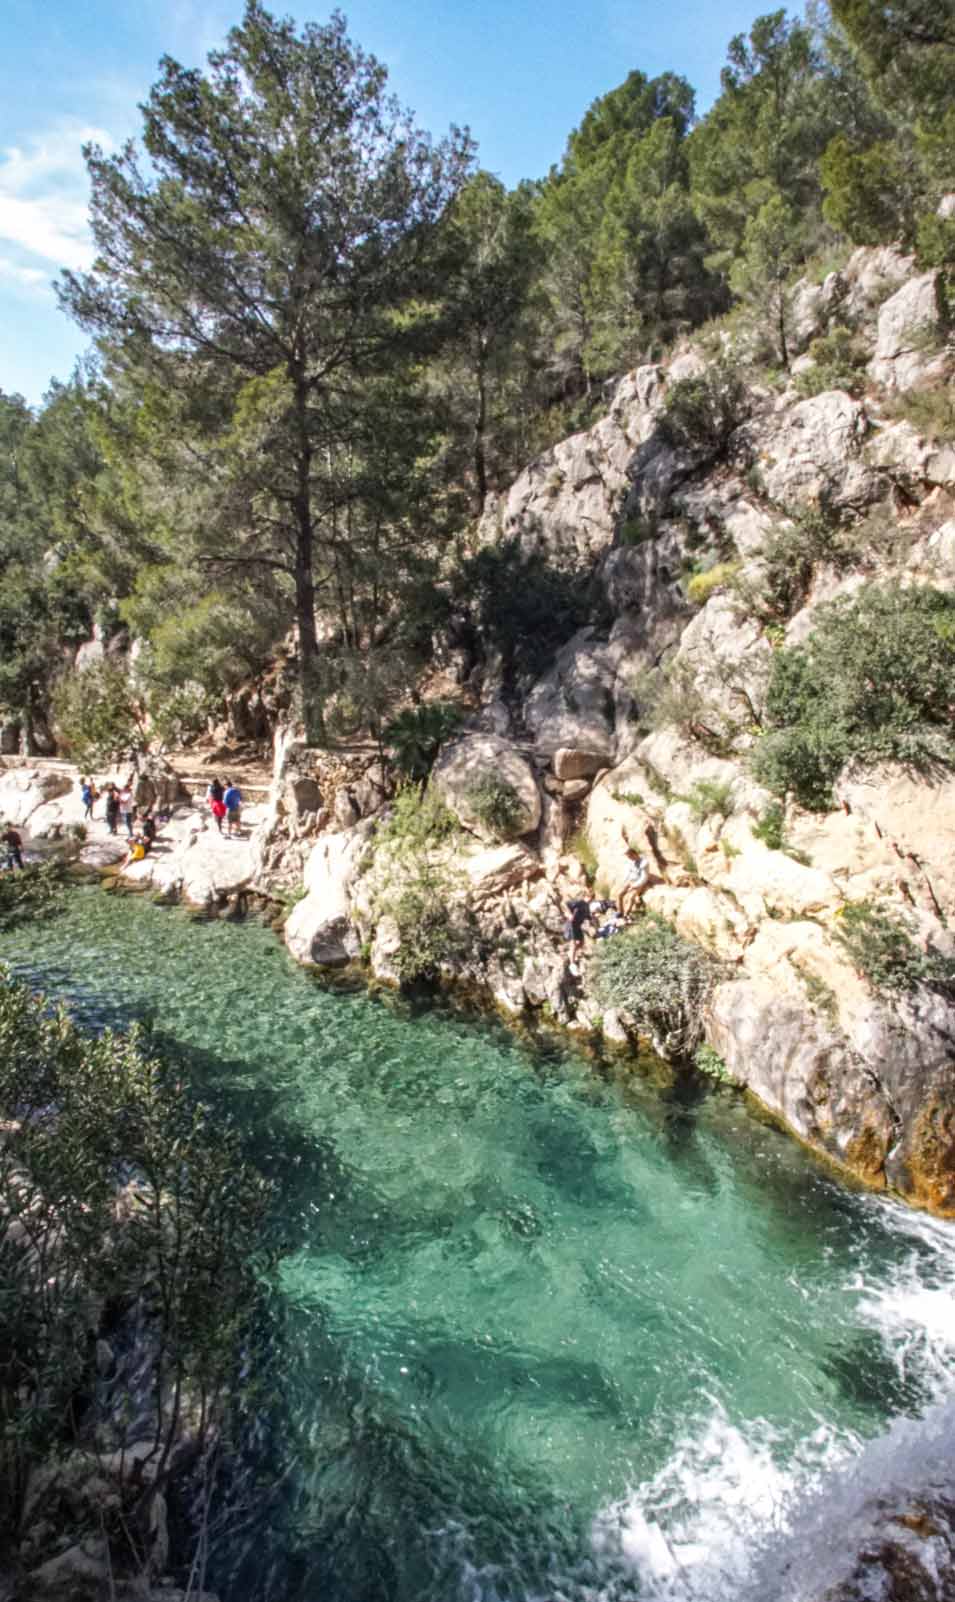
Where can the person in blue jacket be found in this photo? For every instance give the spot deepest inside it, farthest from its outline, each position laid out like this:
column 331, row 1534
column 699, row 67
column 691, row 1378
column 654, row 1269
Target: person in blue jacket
column 233, row 806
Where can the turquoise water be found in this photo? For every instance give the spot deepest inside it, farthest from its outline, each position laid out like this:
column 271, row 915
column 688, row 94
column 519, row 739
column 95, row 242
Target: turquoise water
column 538, row 1330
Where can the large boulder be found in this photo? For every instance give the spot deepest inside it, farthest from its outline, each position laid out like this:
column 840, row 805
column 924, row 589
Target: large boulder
column 24, row 790
column 319, row 929
column 503, row 867
column 573, row 705
column 909, row 323
column 812, row 452
column 462, row 766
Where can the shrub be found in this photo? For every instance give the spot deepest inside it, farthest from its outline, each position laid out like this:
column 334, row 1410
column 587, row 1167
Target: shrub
column 497, row 805
column 431, row 928
column 771, row 827
column 418, row 820
column 792, row 552
column 579, row 846
column 416, row 735
column 839, row 363
column 702, row 585
column 88, row 1122
column 99, row 714
column 35, row 892
column 637, row 530
column 930, row 410
column 881, row 947
column 710, row 1063
column 875, row 680
column 709, row 796
column 662, row 980
column 701, row 413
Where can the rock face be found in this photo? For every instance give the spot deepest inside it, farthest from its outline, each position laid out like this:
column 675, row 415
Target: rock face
column 319, row 929
column 463, row 765
column 908, row 324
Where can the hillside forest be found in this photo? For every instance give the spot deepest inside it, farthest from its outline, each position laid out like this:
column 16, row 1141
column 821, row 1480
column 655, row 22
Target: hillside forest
column 321, row 340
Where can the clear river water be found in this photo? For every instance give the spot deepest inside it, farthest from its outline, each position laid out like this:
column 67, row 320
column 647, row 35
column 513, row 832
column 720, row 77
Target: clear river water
column 540, row 1331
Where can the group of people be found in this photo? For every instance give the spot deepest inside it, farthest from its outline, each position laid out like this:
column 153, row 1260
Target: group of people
column 225, row 801
column 607, row 918
column 140, row 823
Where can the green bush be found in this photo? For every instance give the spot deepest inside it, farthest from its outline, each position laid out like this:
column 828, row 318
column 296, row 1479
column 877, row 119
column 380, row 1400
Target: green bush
column 875, row 680
column 709, row 797
column 709, row 1062
column 87, row 1122
column 496, row 804
column 839, row 363
column 417, row 821
column 416, row 735
column 99, row 714
column 930, row 410
column 432, row 929
column 881, row 948
column 662, row 980
column 701, row 586
column 637, row 530
column 701, row 413
column 792, row 552
column 579, row 846
column 771, row 827
column 35, row 892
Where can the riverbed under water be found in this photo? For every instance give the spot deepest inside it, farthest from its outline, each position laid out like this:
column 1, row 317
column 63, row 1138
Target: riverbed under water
column 542, row 1330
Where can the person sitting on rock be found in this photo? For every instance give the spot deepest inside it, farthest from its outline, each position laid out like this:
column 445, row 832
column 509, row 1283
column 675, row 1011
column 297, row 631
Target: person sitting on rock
column 580, row 914
column 611, row 925
column 137, row 851
column 14, row 844
column 636, row 882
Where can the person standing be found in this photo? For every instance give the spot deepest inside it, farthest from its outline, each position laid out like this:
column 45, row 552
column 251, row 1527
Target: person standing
column 88, row 794
column 126, row 808
column 112, row 808
column 148, row 827
column 580, row 914
column 214, row 796
column 14, row 844
column 233, row 806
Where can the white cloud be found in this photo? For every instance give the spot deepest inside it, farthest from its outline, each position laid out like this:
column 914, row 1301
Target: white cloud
column 23, row 277
column 44, row 195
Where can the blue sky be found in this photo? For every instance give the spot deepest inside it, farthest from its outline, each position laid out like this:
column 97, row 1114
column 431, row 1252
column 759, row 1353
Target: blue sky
column 520, row 75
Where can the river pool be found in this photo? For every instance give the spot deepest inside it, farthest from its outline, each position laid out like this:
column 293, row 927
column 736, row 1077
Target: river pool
column 541, row 1329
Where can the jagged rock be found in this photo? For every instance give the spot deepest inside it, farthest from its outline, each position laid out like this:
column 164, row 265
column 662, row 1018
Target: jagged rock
column 81, row 1571
column 489, row 873
column 907, row 321
column 464, row 763
column 302, row 794
column 872, row 275
column 812, row 451
column 576, row 789
column 813, row 307
column 910, row 822
column 24, row 790
column 909, row 459
column 573, row 706
column 570, row 763
column 319, row 929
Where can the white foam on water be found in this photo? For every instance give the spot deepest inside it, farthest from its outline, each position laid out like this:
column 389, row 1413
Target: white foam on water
column 732, row 1506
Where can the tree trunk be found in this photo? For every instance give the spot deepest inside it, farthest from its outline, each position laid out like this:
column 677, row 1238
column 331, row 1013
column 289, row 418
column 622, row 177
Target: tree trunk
column 480, row 432
column 304, row 577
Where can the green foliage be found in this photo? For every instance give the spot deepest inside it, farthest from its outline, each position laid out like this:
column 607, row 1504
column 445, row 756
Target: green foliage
column 417, row 734
column 99, row 714
column 772, row 247
column 523, row 605
column 119, row 1191
column 662, row 980
column 433, row 930
column 875, row 679
column 881, row 948
column 935, row 243
column 709, row 1062
column 418, row 820
column 637, row 531
column 710, row 798
column 931, row 410
column 495, row 803
column 36, row 891
column 791, row 554
column 771, row 826
column 839, row 363
column 579, row 846
column 702, row 413
column 702, row 585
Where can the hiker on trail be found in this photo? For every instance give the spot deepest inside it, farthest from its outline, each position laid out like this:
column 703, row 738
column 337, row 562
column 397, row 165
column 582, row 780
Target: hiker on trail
column 636, row 881
column 214, row 795
column 14, row 844
column 580, row 914
column 88, row 796
column 112, row 808
column 127, row 809
column 233, row 805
